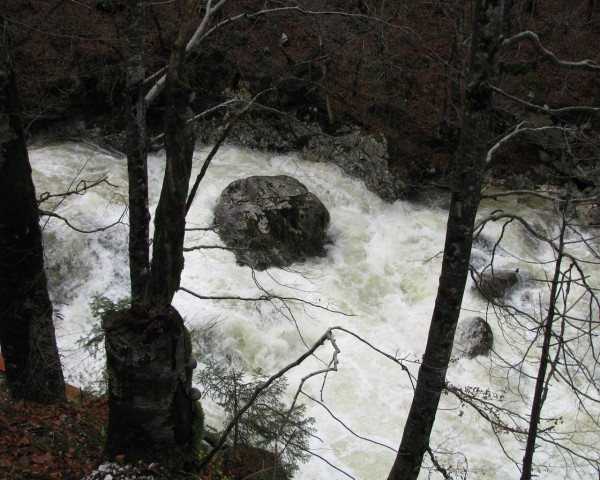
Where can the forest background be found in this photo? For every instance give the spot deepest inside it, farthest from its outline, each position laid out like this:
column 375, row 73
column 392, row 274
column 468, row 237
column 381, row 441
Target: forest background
column 412, row 97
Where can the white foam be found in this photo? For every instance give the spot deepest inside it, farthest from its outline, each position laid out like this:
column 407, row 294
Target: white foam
column 382, row 268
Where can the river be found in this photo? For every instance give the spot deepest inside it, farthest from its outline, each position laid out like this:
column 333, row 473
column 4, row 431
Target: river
column 381, row 269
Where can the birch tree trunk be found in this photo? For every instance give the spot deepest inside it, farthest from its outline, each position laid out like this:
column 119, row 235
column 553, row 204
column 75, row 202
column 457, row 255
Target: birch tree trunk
column 27, row 338
column 466, row 192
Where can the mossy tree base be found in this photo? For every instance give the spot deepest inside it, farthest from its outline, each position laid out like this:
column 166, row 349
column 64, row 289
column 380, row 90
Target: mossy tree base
column 151, row 416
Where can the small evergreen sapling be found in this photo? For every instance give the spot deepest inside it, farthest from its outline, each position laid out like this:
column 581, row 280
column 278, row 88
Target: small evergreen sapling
column 268, row 424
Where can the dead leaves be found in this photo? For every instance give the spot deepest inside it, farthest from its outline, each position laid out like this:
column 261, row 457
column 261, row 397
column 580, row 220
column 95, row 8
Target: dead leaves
column 49, row 442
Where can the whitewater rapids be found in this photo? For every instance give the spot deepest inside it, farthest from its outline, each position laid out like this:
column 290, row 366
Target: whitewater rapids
column 381, row 270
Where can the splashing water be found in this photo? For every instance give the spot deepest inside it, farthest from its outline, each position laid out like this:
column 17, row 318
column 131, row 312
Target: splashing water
column 381, row 269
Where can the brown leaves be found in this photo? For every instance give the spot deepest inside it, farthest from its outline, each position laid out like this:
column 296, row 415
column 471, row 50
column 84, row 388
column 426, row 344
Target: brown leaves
column 49, row 442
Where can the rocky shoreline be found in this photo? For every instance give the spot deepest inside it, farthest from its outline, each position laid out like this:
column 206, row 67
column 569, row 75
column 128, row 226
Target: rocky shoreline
column 365, row 157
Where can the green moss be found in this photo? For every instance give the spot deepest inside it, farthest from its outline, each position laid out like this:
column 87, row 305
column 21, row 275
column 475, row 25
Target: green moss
column 187, row 339
column 379, row 137
column 184, row 457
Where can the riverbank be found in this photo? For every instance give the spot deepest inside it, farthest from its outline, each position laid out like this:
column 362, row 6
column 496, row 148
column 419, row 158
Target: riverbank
column 369, row 158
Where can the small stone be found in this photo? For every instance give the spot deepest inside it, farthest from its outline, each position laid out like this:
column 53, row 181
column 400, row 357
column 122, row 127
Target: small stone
column 497, row 283
column 474, row 337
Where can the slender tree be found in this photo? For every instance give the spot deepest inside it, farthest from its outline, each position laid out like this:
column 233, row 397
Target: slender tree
column 561, row 349
column 169, row 223
column 473, row 156
column 466, row 188
column 27, row 338
column 137, row 152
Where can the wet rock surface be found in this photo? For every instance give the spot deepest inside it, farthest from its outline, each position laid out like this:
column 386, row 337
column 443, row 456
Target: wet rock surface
column 474, row 337
column 496, row 283
column 271, row 221
column 365, row 157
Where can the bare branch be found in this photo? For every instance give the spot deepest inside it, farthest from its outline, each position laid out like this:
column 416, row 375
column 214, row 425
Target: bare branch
column 200, row 32
column 437, row 465
column 499, row 215
column 330, row 464
column 547, row 54
column 545, row 108
column 332, row 415
column 100, row 229
column 268, row 297
column 80, row 189
column 218, row 144
column 201, row 229
column 204, row 32
column 207, row 247
column 557, row 197
column 488, row 410
column 302, row 11
column 381, row 352
column 518, row 131
column 197, row 37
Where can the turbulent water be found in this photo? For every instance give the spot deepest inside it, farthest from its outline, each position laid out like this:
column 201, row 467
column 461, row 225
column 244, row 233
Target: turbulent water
column 380, row 270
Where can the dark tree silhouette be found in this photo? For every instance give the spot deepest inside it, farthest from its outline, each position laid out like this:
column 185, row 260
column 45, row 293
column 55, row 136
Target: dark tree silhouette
column 33, row 369
column 466, row 192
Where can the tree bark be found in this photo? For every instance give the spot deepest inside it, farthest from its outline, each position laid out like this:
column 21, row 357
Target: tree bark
column 137, row 154
column 471, row 160
column 153, row 414
column 169, row 221
column 27, row 338
column 455, row 65
column 593, row 9
column 541, row 383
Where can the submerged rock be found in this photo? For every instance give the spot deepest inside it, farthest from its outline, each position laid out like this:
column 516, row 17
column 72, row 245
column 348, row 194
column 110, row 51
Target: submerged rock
column 496, row 283
column 474, row 337
column 589, row 214
column 271, row 221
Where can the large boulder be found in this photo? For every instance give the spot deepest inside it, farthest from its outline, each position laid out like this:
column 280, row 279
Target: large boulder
column 271, row 221
column 473, row 337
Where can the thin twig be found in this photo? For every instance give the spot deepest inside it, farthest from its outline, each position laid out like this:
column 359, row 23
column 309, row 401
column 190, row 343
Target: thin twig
column 44, row 213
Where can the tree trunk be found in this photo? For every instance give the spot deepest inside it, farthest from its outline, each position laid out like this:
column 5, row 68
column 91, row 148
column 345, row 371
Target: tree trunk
column 152, row 410
column 455, row 65
column 137, row 154
column 151, row 414
column 593, row 9
column 169, row 221
column 457, row 250
column 33, row 370
column 542, row 382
